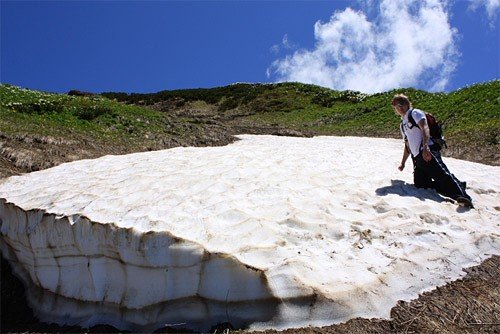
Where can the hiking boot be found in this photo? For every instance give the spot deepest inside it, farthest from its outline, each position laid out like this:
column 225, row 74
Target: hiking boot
column 465, row 202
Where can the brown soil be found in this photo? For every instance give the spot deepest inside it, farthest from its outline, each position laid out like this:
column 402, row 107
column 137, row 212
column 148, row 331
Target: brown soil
column 469, row 305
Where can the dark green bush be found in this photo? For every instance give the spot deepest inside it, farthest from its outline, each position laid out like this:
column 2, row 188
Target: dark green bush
column 89, row 113
column 228, row 103
column 323, row 99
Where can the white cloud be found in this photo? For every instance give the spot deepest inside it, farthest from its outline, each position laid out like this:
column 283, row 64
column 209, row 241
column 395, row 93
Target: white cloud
column 275, row 49
column 286, row 44
column 409, row 43
column 491, row 6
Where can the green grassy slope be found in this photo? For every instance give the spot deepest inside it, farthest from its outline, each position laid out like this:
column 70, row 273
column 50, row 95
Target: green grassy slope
column 33, row 112
column 471, row 112
column 470, row 115
column 96, row 118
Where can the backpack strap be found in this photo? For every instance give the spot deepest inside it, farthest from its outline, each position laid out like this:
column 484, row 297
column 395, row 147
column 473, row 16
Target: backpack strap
column 411, row 120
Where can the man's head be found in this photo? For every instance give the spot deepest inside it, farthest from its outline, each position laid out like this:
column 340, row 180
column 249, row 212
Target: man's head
column 401, row 103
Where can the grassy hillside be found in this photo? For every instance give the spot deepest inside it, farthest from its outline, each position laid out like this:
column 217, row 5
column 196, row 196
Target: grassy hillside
column 471, row 112
column 31, row 112
column 40, row 130
column 88, row 126
column 94, row 118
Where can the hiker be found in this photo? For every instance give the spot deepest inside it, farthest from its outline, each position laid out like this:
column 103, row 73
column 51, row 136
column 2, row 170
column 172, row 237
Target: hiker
column 429, row 170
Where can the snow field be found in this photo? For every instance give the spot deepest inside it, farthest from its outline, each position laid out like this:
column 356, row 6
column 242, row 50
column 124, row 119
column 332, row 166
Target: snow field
column 264, row 218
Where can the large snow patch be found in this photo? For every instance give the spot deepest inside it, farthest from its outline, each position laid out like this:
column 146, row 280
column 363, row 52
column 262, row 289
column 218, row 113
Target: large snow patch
column 324, row 219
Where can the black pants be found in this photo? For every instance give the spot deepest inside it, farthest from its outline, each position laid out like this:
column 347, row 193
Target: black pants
column 435, row 175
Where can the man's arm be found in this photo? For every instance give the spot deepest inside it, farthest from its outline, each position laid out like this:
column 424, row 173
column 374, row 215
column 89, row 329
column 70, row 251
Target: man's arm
column 426, row 152
column 406, row 154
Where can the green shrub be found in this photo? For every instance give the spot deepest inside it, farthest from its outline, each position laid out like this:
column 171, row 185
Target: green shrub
column 89, row 113
column 323, row 99
column 228, row 103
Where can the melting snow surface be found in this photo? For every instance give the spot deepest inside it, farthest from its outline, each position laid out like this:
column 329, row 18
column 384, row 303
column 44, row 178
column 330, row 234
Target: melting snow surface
column 329, row 220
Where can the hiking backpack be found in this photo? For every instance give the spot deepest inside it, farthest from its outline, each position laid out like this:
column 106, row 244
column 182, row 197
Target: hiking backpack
column 435, row 129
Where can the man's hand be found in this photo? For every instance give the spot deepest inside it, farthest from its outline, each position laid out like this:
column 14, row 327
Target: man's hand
column 426, row 154
column 406, row 154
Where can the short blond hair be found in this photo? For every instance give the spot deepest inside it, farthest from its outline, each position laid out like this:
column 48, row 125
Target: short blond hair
column 402, row 100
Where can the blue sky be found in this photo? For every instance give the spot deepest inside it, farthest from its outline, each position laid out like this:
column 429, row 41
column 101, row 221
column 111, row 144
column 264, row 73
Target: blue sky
column 148, row 46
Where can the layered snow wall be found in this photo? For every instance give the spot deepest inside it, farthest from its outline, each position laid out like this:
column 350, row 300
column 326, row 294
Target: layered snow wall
column 325, row 219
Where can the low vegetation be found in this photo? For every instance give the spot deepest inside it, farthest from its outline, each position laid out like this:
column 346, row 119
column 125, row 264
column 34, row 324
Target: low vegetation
column 472, row 112
column 32, row 112
column 135, row 122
